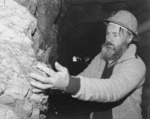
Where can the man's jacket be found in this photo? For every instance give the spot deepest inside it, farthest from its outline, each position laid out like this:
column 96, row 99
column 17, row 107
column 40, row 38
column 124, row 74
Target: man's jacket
column 126, row 83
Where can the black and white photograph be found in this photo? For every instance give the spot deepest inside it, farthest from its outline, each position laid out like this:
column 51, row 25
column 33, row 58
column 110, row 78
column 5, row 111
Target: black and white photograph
column 74, row 59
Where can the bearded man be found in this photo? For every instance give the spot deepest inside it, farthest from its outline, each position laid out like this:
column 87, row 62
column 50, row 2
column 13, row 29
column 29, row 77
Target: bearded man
column 114, row 78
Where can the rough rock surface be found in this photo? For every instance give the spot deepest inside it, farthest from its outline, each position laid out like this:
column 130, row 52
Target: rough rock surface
column 47, row 11
column 45, row 37
column 17, row 59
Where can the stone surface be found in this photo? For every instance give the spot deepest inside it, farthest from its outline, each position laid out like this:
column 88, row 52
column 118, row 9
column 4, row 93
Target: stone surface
column 47, row 11
column 17, row 59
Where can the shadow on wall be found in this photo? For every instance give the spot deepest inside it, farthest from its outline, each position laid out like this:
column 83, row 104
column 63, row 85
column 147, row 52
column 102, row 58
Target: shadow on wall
column 143, row 51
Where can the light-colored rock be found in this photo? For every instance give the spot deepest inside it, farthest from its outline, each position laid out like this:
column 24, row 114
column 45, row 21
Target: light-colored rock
column 7, row 113
column 17, row 58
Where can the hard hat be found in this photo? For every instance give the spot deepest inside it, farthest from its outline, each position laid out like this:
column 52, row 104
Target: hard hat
column 127, row 20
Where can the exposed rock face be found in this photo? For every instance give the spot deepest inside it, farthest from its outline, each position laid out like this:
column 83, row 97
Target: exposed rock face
column 47, row 11
column 17, row 59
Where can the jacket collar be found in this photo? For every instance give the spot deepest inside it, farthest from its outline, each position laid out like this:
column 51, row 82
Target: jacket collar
column 129, row 53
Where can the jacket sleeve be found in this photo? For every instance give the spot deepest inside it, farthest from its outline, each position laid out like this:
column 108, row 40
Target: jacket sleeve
column 126, row 77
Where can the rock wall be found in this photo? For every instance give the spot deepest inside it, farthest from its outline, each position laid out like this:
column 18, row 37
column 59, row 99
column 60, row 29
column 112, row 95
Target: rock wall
column 47, row 11
column 45, row 36
column 24, row 26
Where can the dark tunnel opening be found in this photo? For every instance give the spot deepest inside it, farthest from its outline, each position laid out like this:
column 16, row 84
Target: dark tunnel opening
column 81, row 45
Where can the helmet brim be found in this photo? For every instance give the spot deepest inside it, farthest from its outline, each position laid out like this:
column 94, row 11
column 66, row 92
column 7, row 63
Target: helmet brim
column 136, row 37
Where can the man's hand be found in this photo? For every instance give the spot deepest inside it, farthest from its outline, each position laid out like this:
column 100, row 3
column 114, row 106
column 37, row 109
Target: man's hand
column 53, row 80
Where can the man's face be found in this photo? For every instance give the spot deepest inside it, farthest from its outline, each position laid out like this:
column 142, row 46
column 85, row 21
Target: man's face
column 116, row 42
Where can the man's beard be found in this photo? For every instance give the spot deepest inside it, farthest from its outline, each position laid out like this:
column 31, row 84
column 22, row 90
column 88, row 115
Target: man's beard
column 111, row 52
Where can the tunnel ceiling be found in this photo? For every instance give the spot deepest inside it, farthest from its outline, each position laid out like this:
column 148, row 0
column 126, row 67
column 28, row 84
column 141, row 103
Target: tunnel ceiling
column 138, row 7
column 136, row 4
column 77, row 13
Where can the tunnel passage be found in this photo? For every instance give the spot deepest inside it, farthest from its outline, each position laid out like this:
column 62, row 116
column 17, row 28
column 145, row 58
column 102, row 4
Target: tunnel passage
column 81, row 45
